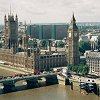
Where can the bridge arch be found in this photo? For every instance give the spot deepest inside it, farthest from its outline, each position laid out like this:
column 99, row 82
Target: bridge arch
column 20, row 83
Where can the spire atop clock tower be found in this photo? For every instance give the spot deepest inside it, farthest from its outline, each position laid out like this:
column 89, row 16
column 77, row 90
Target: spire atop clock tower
column 72, row 24
column 73, row 19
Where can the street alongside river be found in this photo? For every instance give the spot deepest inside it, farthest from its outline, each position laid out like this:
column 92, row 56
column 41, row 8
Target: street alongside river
column 53, row 92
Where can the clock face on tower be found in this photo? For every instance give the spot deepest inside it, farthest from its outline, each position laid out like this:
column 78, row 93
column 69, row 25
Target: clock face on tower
column 75, row 34
column 69, row 34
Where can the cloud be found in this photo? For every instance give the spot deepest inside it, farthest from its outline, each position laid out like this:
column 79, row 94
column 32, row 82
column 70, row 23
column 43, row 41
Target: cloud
column 45, row 11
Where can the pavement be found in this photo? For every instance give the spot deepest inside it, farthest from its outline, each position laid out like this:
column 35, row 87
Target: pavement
column 15, row 69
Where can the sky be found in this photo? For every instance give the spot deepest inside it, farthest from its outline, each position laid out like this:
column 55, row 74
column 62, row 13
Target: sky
column 51, row 11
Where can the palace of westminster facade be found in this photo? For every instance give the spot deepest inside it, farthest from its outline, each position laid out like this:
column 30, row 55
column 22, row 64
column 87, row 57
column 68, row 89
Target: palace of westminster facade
column 32, row 58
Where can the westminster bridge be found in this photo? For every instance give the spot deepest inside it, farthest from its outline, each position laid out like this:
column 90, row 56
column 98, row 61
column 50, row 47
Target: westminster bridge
column 31, row 80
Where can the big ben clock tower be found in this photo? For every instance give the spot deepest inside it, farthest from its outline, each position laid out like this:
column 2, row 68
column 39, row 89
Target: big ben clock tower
column 73, row 43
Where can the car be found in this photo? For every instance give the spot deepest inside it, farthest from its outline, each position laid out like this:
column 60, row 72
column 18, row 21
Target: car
column 92, row 80
column 8, row 77
column 1, row 77
column 24, row 75
column 82, row 85
column 20, row 75
column 4, row 77
column 90, row 87
column 36, row 72
column 44, row 72
column 29, row 74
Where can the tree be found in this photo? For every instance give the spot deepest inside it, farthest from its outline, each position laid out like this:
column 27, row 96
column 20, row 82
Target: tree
column 32, row 43
column 43, row 43
column 85, row 70
column 84, row 46
column 81, row 69
column 61, row 44
column 70, row 67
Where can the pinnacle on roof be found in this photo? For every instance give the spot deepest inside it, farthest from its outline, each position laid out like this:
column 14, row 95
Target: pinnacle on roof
column 73, row 19
column 16, row 15
column 5, row 16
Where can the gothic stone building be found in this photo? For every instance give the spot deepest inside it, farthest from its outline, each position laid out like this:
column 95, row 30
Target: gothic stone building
column 73, row 43
column 11, row 31
column 33, row 59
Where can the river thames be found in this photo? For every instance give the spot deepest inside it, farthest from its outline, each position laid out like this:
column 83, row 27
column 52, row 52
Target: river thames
column 53, row 92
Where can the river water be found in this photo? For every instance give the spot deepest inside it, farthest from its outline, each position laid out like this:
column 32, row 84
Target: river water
column 53, row 92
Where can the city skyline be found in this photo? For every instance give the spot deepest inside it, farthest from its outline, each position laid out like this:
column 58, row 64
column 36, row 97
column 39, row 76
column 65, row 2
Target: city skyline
column 51, row 11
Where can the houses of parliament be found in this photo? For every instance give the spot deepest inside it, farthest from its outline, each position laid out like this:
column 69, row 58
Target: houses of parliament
column 32, row 58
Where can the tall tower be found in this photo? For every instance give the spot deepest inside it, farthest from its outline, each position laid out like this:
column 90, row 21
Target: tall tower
column 25, row 39
column 73, row 43
column 11, row 32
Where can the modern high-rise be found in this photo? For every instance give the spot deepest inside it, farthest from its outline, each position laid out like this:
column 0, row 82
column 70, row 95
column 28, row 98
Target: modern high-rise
column 47, row 31
column 73, row 43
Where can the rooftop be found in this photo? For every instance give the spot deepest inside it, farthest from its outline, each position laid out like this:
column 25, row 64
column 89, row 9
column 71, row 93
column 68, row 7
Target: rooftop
column 94, row 54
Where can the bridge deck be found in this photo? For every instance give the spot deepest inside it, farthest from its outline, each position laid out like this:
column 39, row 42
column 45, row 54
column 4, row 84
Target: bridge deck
column 26, row 77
